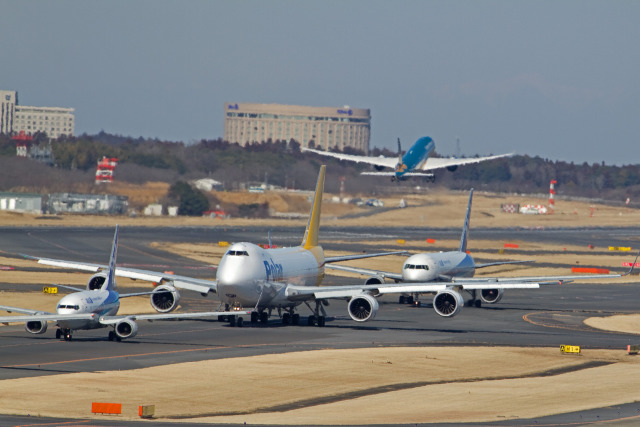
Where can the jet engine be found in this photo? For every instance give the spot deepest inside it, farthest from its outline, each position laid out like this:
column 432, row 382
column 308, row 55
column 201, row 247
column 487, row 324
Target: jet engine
column 448, row 303
column 126, row 328
column 363, row 307
column 491, row 296
column 36, row 327
column 374, row 280
column 165, row 298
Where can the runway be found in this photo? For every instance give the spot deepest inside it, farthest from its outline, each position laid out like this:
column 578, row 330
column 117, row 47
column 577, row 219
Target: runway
column 551, row 316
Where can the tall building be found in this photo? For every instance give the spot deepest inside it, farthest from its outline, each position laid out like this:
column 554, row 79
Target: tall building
column 54, row 121
column 8, row 101
column 326, row 127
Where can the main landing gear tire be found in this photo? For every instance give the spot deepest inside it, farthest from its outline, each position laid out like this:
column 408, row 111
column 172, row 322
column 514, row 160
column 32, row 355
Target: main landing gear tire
column 254, row 317
column 286, row 318
column 295, row 319
column 58, row 334
column 316, row 321
column 264, row 317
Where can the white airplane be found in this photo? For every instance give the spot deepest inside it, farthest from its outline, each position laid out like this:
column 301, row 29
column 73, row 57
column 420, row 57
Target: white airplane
column 95, row 307
column 259, row 279
column 262, row 280
column 413, row 164
column 456, row 270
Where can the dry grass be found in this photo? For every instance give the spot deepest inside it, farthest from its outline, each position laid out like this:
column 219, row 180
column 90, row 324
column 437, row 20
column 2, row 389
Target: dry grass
column 435, row 384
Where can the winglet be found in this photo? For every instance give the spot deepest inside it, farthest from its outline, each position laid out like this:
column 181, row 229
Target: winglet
column 465, row 228
column 310, row 238
column 111, row 275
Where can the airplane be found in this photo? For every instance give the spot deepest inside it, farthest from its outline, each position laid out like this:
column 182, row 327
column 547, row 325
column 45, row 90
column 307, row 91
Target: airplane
column 250, row 277
column 95, row 307
column 412, row 164
column 456, row 269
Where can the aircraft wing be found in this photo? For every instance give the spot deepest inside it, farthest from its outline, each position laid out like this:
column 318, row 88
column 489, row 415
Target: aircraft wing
column 439, row 163
column 387, row 162
column 352, row 257
column 543, row 280
column 365, row 271
column 110, row 320
column 492, row 264
column 31, row 315
column 202, row 286
column 302, row 293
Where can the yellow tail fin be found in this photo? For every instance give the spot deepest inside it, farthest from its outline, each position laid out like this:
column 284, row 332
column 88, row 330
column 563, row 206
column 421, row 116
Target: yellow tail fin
column 310, row 238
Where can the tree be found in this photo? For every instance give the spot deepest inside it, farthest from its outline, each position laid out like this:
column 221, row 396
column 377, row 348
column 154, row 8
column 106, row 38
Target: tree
column 192, row 202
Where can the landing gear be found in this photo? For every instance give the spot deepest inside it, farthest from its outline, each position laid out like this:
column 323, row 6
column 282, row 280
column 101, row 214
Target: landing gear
column 114, row 337
column 319, row 314
column 64, row 333
column 254, row 317
column 236, row 321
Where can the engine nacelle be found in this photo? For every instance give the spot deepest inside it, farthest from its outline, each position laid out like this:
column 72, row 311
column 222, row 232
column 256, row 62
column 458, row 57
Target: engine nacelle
column 36, row 327
column 374, row 280
column 362, row 307
column 165, row 298
column 448, row 303
column 126, row 328
column 491, row 296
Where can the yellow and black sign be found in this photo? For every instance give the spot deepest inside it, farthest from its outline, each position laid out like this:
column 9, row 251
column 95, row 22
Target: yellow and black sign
column 222, row 243
column 50, row 290
column 570, row 348
column 620, row 248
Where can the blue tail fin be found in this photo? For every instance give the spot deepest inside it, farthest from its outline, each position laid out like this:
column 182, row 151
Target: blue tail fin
column 111, row 275
column 465, row 229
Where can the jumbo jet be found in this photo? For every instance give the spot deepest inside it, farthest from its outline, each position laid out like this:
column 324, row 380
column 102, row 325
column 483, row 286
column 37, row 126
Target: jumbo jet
column 95, row 307
column 282, row 279
column 413, row 164
column 455, row 269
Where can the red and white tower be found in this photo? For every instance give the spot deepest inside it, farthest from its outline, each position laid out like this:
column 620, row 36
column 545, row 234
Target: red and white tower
column 552, row 195
column 104, row 172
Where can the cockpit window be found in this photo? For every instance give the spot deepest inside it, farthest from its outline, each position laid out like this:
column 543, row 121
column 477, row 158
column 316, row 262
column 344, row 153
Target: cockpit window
column 74, row 307
column 238, row 253
column 416, row 267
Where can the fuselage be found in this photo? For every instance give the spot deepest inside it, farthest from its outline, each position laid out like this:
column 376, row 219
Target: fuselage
column 439, row 266
column 416, row 157
column 249, row 276
column 98, row 302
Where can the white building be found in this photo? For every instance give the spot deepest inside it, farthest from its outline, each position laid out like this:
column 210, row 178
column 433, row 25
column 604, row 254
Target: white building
column 54, row 121
column 326, row 127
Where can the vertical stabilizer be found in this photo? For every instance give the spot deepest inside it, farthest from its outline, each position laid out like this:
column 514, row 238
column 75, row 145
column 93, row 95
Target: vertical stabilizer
column 111, row 275
column 310, row 238
column 465, row 229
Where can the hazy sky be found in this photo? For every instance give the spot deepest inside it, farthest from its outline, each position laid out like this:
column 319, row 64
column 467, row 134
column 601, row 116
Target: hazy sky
column 556, row 79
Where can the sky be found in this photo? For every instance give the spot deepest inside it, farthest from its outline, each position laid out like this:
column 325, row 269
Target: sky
column 556, row 79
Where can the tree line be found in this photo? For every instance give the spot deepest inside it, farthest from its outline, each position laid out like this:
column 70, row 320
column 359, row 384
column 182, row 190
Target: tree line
column 281, row 163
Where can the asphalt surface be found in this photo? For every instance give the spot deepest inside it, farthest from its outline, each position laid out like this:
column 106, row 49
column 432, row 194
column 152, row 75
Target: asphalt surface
column 550, row 316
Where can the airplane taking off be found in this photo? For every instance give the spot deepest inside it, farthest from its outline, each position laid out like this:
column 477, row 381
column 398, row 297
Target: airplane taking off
column 414, row 163
column 95, row 307
column 456, row 269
